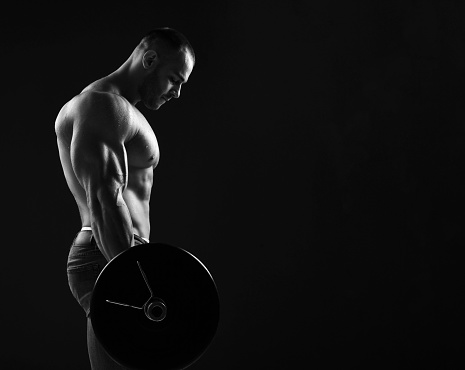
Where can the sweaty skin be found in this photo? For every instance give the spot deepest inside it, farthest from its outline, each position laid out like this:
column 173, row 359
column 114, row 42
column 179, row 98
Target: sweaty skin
column 108, row 150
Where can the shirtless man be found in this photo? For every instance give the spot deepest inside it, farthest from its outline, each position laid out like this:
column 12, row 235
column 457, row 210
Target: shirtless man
column 108, row 151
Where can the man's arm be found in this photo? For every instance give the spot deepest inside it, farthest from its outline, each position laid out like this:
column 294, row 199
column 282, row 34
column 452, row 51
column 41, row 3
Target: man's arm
column 99, row 161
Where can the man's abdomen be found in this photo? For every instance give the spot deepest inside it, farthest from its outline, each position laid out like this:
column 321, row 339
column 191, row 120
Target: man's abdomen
column 139, row 210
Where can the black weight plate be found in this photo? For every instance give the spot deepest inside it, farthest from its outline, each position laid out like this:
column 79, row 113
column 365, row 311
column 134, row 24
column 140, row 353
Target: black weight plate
column 179, row 280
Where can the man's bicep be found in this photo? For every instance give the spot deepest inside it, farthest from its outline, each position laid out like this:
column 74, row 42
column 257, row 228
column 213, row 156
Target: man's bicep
column 98, row 161
column 97, row 148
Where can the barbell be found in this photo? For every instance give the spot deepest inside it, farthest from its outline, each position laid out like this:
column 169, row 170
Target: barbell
column 155, row 306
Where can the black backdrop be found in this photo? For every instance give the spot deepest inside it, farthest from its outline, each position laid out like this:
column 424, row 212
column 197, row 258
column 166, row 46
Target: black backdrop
column 314, row 163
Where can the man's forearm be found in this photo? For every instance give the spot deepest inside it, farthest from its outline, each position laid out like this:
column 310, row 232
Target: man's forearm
column 112, row 225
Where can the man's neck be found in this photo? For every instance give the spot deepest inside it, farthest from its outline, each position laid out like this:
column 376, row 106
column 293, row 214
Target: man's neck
column 124, row 83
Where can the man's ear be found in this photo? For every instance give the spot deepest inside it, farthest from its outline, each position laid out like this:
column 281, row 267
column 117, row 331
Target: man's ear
column 149, row 59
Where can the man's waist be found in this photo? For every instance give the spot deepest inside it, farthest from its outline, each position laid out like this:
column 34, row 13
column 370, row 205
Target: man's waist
column 85, row 236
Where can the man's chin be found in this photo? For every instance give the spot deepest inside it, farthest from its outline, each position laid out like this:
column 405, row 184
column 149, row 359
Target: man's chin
column 154, row 106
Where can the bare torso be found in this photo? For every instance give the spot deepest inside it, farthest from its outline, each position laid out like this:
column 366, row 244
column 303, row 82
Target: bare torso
column 142, row 157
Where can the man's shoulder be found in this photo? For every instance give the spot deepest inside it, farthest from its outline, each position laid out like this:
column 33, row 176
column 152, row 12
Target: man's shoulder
column 104, row 112
column 99, row 103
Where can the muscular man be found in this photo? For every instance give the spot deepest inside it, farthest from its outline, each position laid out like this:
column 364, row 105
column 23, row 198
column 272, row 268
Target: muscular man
column 108, row 151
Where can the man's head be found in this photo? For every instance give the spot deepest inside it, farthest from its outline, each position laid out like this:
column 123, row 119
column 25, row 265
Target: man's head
column 167, row 59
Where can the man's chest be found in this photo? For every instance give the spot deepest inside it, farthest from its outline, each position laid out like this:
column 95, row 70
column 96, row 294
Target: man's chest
column 142, row 150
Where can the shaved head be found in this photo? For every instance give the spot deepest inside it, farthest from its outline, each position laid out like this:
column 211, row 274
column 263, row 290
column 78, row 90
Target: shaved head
column 166, row 41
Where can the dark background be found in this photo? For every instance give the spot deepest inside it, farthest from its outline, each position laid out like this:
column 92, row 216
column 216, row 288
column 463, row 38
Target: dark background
column 315, row 164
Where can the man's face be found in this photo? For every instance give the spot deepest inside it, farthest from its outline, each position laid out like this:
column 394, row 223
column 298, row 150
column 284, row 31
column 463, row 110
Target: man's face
column 166, row 79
